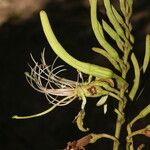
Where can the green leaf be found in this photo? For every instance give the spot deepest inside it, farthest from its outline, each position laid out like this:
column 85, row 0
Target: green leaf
column 114, row 35
column 98, row 33
column 130, row 3
column 141, row 115
column 145, row 111
column 109, row 57
column 123, row 24
column 147, row 53
column 137, row 77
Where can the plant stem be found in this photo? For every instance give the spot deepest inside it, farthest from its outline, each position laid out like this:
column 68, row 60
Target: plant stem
column 129, row 144
column 120, row 118
column 119, row 123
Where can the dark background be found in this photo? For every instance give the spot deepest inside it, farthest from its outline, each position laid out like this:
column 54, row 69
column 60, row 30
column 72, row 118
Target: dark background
column 71, row 24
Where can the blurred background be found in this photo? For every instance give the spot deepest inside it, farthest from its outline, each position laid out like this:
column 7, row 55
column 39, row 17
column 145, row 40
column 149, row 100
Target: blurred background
column 20, row 35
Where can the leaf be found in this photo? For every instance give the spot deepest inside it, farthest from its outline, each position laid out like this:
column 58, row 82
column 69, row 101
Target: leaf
column 114, row 22
column 121, row 21
column 141, row 115
column 119, row 18
column 98, row 33
column 144, row 112
column 100, row 29
column 114, row 35
column 137, row 77
column 130, row 3
column 113, row 19
column 109, row 57
column 147, row 53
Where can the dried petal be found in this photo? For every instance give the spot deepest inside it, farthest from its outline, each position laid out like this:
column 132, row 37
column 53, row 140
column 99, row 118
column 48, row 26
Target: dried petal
column 79, row 120
column 102, row 100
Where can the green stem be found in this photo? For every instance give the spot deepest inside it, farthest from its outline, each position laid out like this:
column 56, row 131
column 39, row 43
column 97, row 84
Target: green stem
column 96, row 137
column 129, row 145
column 119, row 123
column 127, row 47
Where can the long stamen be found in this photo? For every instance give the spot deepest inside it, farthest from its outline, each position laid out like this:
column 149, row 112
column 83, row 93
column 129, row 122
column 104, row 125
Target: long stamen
column 45, row 79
